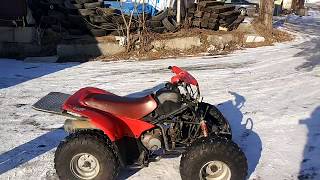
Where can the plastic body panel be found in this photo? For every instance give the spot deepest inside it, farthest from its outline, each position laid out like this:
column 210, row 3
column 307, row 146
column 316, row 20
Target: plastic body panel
column 134, row 108
column 182, row 75
column 115, row 127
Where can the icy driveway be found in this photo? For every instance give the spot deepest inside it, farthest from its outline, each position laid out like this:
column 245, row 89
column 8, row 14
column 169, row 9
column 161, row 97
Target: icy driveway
column 271, row 95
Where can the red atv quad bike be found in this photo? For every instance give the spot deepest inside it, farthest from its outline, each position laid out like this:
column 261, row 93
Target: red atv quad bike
column 109, row 132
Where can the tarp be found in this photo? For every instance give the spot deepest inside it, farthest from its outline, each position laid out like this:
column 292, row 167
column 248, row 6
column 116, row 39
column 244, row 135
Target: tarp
column 13, row 8
column 151, row 6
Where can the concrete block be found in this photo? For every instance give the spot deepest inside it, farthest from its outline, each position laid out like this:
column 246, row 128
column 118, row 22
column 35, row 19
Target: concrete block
column 10, row 49
column 111, row 48
column 48, row 59
column 6, row 34
column 24, row 34
column 253, row 38
column 246, row 27
column 105, row 48
column 182, row 43
column 30, row 49
column 221, row 40
column 17, row 34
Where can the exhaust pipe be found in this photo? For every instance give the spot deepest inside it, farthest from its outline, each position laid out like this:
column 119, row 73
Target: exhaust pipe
column 71, row 125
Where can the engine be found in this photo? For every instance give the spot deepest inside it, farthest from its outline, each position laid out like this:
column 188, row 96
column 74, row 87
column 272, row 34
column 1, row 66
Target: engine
column 152, row 139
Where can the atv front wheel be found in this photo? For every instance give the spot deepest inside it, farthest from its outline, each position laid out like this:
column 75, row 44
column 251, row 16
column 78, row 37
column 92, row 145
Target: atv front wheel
column 86, row 155
column 214, row 117
column 213, row 159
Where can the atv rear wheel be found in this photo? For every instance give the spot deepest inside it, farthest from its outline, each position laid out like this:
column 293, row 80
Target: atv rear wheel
column 213, row 159
column 86, row 155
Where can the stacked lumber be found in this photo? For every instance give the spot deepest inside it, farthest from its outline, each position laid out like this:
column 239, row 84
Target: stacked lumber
column 78, row 17
column 214, row 14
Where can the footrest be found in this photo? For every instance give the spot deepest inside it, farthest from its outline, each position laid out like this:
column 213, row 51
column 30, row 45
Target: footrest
column 52, row 102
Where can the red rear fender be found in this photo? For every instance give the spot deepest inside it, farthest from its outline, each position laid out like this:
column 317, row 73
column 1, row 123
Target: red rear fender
column 114, row 127
column 76, row 100
column 117, row 127
column 107, row 124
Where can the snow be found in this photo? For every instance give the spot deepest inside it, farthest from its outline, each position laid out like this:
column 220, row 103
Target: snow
column 312, row 1
column 270, row 95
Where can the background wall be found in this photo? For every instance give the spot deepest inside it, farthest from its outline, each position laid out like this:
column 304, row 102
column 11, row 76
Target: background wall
column 13, row 8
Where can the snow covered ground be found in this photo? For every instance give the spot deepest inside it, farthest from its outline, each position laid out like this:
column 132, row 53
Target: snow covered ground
column 271, row 96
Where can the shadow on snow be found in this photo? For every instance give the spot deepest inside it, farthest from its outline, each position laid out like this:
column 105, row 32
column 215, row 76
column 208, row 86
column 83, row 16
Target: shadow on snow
column 309, row 167
column 242, row 134
column 13, row 72
column 310, row 27
column 30, row 150
column 310, row 50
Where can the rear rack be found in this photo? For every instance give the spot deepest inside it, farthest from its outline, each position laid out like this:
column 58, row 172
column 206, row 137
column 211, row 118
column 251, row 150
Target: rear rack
column 53, row 102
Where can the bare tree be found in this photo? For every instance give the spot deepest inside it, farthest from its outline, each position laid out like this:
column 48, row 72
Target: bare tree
column 128, row 28
column 298, row 6
column 302, row 9
column 132, row 21
column 266, row 13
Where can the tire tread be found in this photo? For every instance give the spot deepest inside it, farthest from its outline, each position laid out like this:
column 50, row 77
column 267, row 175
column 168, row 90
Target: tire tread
column 219, row 146
column 87, row 137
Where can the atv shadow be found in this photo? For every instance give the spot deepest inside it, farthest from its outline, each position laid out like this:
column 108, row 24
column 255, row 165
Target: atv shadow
column 29, row 150
column 310, row 164
column 126, row 173
column 242, row 130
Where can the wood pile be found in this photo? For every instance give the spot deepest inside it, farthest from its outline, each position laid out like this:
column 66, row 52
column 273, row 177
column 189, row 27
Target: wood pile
column 214, row 14
column 78, row 17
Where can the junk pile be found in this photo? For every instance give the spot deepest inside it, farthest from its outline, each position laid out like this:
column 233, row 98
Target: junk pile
column 214, row 15
column 100, row 18
column 78, row 17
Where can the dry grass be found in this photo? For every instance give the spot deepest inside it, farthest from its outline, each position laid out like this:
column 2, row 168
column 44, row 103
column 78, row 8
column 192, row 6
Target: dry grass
column 196, row 51
column 270, row 36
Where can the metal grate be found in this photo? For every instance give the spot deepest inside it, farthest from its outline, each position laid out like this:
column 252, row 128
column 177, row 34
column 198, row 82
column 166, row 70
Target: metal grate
column 51, row 102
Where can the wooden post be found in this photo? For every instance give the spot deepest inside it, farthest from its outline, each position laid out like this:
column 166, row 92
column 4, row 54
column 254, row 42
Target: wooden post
column 301, row 10
column 266, row 13
column 178, row 12
column 294, row 6
column 298, row 7
column 301, row 4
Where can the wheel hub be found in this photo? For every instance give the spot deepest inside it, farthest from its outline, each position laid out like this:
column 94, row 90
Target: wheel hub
column 215, row 170
column 84, row 166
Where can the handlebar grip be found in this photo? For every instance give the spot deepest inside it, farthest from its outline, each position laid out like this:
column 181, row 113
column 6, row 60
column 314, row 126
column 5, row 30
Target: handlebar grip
column 170, row 67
